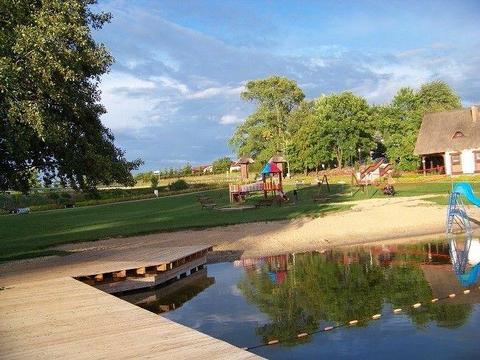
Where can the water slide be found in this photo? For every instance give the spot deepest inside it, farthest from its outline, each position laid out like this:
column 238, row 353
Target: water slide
column 466, row 190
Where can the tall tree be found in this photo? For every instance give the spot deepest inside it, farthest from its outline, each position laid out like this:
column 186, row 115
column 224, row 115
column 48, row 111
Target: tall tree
column 342, row 127
column 438, row 96
column 50, row 109
column 400, row 121
column 267, row 127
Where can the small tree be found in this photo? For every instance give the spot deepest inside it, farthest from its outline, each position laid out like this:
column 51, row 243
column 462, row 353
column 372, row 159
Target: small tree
column 221, row 165
column 154, row 181
column 187, row 170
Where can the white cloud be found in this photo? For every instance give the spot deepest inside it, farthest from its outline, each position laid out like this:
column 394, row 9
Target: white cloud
column 214, row 91
column 171, row 83
column 230, row 119
column 122, row 81
column 128, row 100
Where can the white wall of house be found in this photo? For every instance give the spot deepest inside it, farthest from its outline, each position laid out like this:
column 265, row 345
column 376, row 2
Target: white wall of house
column 448, row 164
column 468, row 161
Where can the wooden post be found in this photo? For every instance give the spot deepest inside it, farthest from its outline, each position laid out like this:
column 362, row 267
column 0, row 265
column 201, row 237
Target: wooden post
column 264, row 185
column 423, row 166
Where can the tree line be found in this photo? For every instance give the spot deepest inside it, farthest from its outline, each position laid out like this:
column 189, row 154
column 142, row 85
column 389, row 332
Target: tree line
column 338, row 129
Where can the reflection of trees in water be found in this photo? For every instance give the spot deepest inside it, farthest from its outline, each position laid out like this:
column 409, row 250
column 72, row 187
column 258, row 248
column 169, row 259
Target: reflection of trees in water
column 320, row 290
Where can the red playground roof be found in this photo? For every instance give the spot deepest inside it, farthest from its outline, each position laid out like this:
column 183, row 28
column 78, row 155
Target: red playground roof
column 271, row 168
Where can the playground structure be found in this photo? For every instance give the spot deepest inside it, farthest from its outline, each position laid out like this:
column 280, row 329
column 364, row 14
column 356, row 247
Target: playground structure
column 373, row 173
column 273, row 168
column 469, row 253
column 243, row 162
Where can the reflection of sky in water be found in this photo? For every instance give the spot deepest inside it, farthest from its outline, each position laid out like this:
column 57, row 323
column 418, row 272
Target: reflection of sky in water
column 219, row 309
column 438, row 331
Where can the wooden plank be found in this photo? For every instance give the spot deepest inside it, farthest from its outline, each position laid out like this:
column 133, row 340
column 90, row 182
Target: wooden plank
column 164, row 267
column 119, row 274
column 121, row 260
column 151, row 280
column 66, row 319
column 140, row 271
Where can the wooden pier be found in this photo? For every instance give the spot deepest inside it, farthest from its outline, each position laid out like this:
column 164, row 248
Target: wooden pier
column 47, row 313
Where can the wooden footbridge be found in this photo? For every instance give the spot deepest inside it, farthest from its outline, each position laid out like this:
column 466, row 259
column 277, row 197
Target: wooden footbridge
column 62, row 309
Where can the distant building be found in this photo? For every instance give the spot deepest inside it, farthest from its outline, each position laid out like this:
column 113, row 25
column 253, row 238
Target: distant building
column 202, row 169
column 234, row 166
column 156, row 172
column 208, row 169
column 451, row 140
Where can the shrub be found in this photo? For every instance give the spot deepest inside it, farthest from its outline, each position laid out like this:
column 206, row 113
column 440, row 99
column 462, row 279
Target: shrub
column 178, row 185
column 65, row 195
column 154, row 181
column 54, row 196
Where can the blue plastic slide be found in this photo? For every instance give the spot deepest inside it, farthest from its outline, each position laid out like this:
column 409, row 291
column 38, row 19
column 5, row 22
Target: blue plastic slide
column 471, row 277
column 466, row 190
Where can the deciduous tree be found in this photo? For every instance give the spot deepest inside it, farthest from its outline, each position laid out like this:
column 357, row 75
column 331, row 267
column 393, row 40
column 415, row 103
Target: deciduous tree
column 266, row 130
column 50, row 109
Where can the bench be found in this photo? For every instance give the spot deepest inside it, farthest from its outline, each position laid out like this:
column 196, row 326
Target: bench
column 206, row 202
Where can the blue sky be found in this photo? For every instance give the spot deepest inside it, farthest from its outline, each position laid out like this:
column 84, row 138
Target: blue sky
column 172, row 95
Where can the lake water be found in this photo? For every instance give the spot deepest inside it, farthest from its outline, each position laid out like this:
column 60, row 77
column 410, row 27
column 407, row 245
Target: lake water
column 252, row 301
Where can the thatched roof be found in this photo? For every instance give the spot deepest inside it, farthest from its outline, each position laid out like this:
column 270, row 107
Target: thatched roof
column 277, row 159
column 453, row 130
column 244, row 160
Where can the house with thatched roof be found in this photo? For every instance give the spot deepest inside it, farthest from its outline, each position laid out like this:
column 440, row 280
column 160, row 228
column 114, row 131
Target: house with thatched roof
column 451, row 140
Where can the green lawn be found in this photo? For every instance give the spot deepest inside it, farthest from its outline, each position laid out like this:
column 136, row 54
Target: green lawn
column 31, row 235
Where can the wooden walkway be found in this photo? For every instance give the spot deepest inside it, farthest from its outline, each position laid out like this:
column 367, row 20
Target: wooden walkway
column 45, row 313
column 67, row 319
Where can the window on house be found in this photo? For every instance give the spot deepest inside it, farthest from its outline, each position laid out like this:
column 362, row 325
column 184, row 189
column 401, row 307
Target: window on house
column 455, row 159
column 458, row 134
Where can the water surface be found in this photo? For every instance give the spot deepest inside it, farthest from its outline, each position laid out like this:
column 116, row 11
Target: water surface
column 252, row 301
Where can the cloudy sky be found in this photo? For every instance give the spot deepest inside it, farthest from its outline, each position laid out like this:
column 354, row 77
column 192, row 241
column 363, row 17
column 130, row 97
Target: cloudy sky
column 173, row 93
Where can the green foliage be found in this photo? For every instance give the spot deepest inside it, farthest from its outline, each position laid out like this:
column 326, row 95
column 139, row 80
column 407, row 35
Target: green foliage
column 438, row 96
column 337, row 129
column 187, row 170
column 265, row 132
column 342, row 127
column 50, row 112
column 330, row 129
column 400, row 121
column 221, row 165
column 180, row 184
column 154, row 181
